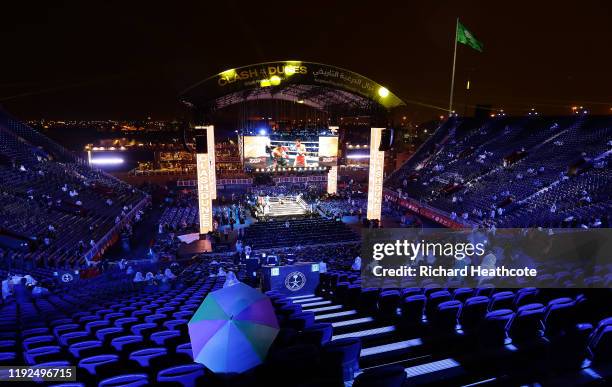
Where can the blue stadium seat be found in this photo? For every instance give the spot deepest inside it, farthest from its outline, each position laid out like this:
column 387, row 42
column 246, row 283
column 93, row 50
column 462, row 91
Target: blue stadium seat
column 601, row 346
column 112, row 317
column 462, row 294
column 525, row 296
column 527, row 323
column 388, row 376
column 186, row 375
column 493, row 332
column 302, row 320
column 155, row 318
column 501, row 300
column 86, row 349
column 473, row 313
column 353, row 294
column 144, row 329
column 486, row 290
column 341, row 292
column 73, row 337
column 8, row 358
column 65, row 328
column 8, row 345
column 560, row 316
column 185, row 349
column 178, row 325
column 412, row 310
column 126, row 322
column 287, row 310
column 143, row 356
column 434, row 299
column 388, row 303
column 410, row 292
column 343, row 354
column 318, row 334
column 130, row 380
column 444, row 319
column 34, row 332
column 43, row 354
column 127, row 343
column 38, row 341
column 105, row 335
column 99, row 364
column 166, row 338
column 368, row 300
column 94, row 326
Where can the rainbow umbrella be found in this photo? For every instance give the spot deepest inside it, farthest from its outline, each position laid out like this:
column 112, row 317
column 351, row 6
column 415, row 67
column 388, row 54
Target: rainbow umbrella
column 233, row 329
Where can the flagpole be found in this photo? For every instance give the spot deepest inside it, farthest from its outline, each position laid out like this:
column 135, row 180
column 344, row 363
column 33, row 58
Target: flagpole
column 450, row 103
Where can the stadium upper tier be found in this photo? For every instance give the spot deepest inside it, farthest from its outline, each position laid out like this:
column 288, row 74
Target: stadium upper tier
column 54, row 207
column 515, row 172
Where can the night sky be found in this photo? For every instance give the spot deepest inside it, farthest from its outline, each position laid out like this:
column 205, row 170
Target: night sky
column 130, row 59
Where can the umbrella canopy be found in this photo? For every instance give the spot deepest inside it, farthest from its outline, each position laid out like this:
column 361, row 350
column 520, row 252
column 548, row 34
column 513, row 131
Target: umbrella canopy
column 233, row 329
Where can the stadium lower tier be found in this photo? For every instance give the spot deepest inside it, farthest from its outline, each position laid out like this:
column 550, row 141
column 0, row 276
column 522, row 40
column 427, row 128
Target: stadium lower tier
column 116, row 333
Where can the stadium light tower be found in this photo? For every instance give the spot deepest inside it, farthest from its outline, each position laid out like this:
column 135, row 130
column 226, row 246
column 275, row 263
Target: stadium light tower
column 204, row 172
column 375, row 180
column 210, row 137
column 332, row 175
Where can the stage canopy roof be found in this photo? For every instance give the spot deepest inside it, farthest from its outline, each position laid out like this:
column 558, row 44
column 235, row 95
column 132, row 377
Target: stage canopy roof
column 324, row 87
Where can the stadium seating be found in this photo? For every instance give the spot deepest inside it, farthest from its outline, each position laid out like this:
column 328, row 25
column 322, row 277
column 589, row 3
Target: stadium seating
column 53, row 201
column 561, row 179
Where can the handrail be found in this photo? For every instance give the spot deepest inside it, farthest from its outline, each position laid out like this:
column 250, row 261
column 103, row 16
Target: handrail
column 103, row 242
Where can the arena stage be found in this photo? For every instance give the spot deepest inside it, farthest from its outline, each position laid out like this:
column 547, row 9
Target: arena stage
column 282, row 207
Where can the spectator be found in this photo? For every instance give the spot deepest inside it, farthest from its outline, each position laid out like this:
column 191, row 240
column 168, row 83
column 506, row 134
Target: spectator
column 138, row 277
column 230, row 280
column 22, row 292
column 356, row 264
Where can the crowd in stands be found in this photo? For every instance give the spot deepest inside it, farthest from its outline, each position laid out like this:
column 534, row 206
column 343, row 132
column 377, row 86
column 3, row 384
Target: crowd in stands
column 337, row 206
column 515, row 172
column 54, row 208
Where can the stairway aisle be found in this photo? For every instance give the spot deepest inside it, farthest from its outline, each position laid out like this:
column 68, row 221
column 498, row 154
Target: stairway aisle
column 384, row 344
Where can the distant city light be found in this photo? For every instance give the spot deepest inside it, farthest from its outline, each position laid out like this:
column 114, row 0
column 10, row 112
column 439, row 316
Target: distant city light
column 107, row 161
column 532, row 112
column 262, row 132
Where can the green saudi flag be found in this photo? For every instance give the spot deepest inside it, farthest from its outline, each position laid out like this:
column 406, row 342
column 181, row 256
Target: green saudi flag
column 466, row 37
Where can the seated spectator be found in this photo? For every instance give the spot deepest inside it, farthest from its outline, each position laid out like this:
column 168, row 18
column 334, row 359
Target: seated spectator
column 39, row 291
column 230, row 280
column 169, row 274
column 322, row 267
column 139, row 277
column 356, row 264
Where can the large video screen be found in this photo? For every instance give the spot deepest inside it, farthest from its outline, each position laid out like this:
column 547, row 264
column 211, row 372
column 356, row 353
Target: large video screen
column 284, row 151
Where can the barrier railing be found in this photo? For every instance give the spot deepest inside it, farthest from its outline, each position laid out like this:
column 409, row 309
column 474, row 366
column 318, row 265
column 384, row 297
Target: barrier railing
column 220, row 182
column 427, row 211
column 108, row 238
